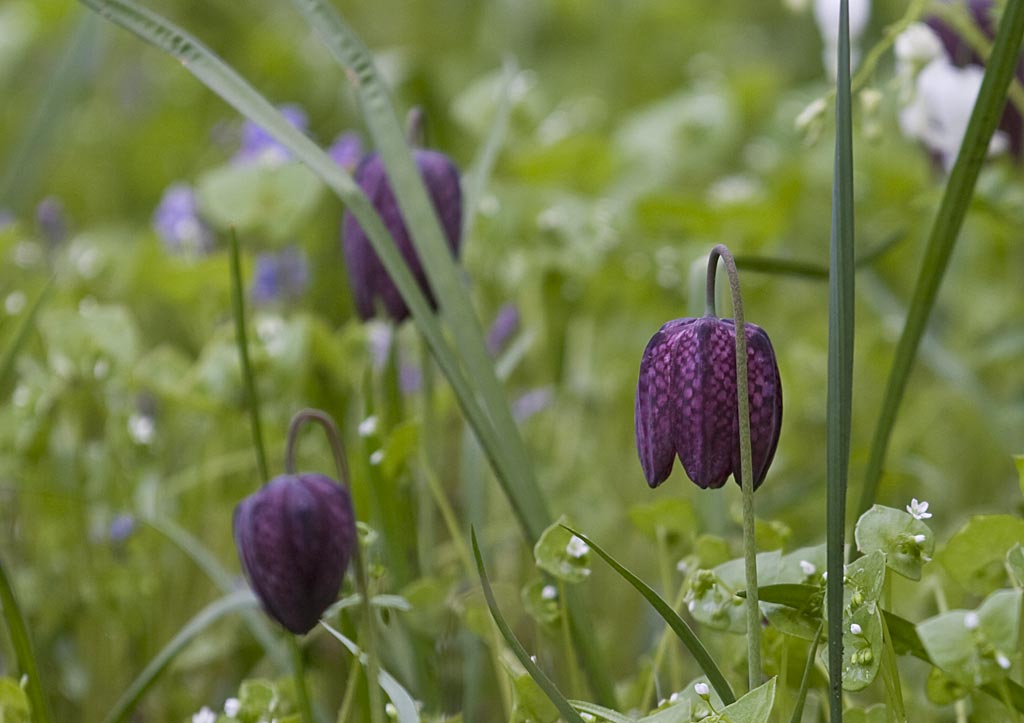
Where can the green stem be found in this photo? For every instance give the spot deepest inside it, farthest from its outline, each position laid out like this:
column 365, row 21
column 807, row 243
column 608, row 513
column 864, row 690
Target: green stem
column 362, row 583
column 805, row 681
column 659, row 652
column 571, row 662
column 348, row 700
column 754, row 670
column 248, row 378
column 23, row 650
column 299, row 668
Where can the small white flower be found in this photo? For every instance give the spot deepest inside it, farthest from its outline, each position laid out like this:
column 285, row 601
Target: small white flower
column 856, row 629
column 920, row 538
column 231, row 707
column 141, row 428
column 533, row 658
column 576, row 548
column 549, row 592
column 673, row 698
column 1002, row 661
column 14, row 302
column 587, row 717
column 377, row 457
column 682, row 567
column 391, row 710
column 691, row 606
column 918, row 510
column 702, row 689
column 808, row 568
column 368, row 426
column 971, row 620
column 205, row 715
column 917, row 46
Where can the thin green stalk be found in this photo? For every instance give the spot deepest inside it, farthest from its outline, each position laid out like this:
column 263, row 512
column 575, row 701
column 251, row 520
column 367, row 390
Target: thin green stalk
column 362, row 582
column 666, row 569
column 805, row 681
column 349, row 699
column 23, row 650
column 755, row 673
column 299, row 668
column 944, row 232
column 575, row 682
column 241, row 338
column 840, row 364
column 659, row 652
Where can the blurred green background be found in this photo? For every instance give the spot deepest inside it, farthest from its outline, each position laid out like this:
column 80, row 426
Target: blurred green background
column 642, row 133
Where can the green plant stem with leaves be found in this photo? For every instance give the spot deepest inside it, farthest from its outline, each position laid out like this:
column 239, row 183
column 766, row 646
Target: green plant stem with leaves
column 754, row 670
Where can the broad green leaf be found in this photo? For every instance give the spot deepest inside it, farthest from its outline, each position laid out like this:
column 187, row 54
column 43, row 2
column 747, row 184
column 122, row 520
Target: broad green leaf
column 942, row 689
column 14, row 706
column 974, row 555
column 257, row 697
column 862, row 650
column 263, row 200
column 896, row 533
column 673, row 712
column 754, row 707
column 865, row 577
column 975, row 647
column 1015, row 565
column 672, row 516
column 530, row 705
column 562, row 554
column 875, row 714
column 796, row 614
column 540, row 600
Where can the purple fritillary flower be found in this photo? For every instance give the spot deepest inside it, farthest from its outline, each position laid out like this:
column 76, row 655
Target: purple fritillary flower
column 178, row 223
column 961, row 54
column 503, row 328
column 346, row 150
column 258, row 146
column 370, row 282
column 52, row 220
column 280, row 276
column 686, row 402
column 295, row 537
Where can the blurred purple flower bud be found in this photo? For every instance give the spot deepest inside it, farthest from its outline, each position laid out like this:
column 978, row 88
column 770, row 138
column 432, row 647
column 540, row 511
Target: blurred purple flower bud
column 178, row 223
column 686, row 402
column 961, row 54
column 369, row 280
column 346, row 150
column 258, row 146
column 52, row 220
column 503, row 328
column 280, row 276
column 532, row 402
column 295, row 537
column 410, row 378
column 121, row 528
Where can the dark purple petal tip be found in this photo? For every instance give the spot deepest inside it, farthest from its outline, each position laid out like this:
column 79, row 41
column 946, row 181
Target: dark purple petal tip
column 295, row 537
column 371, row 284
column 686, row 402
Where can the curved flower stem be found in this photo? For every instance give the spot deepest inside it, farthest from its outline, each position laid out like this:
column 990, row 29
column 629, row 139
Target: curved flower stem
column 746, row 464
column 338, row 449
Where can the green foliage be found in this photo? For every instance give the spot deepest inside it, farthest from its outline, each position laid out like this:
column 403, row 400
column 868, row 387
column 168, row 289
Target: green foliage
column 974, row 555
column 906, row 541
column 14, row 705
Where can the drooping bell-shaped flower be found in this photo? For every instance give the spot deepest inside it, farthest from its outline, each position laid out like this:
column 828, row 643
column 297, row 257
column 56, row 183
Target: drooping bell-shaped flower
column 686, row 402
column 371, row 284
column 295, row 537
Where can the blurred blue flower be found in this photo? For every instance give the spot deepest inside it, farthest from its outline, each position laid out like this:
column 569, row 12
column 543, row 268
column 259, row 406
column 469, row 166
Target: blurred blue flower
column 52, row 220
column 347, row 150
column 503, row 328
column 178, row 223
column 280, row 276
column 121, row 528
column 258, row 146
column 532, row 402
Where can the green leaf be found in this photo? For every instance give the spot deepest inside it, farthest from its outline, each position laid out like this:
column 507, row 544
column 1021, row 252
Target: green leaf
column 754, row 707
column 269, row 201
column 540, row 600
column 974, row 556
column 558, row 554
column 942, row 689
column 672, row 517
column 1015, row 565
column 677, row 712
column 530, row 704
column 550, row 690
column 875, row 714
column 670, row 616
column 405, row 707
column 601, row 713
column 862, row 651
column 865, row 578
column 14, row 706
column 23, row 650
column 895, row 532
column 975, row 647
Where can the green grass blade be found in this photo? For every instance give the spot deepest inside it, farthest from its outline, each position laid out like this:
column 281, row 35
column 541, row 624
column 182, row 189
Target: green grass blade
column 28, row 158
column 21, row 334
column 840, row 363
column 569, row 714
column 602, row 713
column 251, row 397
column 405, row 706
column 944, row 232
column 239, row 600
column 23, row 650
column 225, row 582
column 671, row 617
column 805, row 679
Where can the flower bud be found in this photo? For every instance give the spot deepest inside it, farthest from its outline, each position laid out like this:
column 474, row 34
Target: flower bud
column 370, row 281
column 687, row 405
column 295, row 537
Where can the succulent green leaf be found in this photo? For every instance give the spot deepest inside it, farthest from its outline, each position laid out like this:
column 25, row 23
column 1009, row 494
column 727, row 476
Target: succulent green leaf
column 975, row 647
column 562, row 554
column 895, row 533
column 942, row 689
column 530, row 705
column 974, row 556
column 540, row 600
column 754, row 707
column 862, row 651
